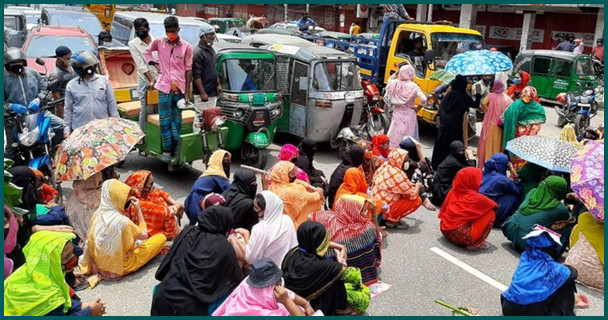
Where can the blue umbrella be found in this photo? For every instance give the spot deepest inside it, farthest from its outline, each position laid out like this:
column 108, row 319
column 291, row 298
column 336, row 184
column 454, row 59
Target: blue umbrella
column 479, row 62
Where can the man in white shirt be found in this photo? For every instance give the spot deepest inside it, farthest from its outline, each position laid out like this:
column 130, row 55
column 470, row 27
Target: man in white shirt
column 147, row 73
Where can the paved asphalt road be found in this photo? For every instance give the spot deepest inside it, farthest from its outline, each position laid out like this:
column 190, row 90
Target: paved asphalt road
column 418, row 262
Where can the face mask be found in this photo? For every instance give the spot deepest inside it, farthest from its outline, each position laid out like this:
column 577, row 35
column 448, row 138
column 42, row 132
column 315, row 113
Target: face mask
column 516, row 81
column 71, row 264
column 226, row 166
column 142, row 34
column 406, row 165
column 486, row 81
column 105, row 43
column 292, row 179
column 172, row 36
column 16, row 68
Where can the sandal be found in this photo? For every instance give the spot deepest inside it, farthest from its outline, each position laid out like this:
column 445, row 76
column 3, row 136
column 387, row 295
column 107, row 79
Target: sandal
column 399, row 225
column 581, row 301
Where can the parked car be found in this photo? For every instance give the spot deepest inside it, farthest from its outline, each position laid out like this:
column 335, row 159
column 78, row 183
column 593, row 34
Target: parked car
column 32, row 18
column 258, row 40
column 287, row 32
column 72, row 16
column 293, row 26
column 15, row 22
column 123, row 31
column 43, row 40
column 228, row 38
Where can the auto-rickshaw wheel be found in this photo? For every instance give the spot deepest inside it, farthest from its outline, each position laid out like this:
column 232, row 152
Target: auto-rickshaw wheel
column 254, row 156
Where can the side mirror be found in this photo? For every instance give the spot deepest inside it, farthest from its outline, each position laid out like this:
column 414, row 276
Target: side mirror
column 429, row 56
column 40, row 62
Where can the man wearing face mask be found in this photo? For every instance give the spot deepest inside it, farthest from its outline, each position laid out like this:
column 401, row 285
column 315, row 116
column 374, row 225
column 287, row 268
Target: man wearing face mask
column 175, row 63
column 146, row 73
column 24, row 91
column 89, row 96
column 204, row 69
column 61, row 75
column 482, row 87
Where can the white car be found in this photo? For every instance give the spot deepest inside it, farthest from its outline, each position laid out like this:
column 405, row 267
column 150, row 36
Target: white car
column 228, row 38
column 293, row 27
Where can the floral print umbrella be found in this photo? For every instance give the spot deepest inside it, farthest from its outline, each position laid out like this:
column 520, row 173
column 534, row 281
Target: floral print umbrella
column 587, row 177
column 94, row 147
column 478, row 62
column 550, row 153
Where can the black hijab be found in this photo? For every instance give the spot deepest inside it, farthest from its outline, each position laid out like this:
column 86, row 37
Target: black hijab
column 409, row 145
column 308, row 148
column 239, row 198
column 354, row 157
column 25, row 178
column 449, row 167
column 306, row 273
column 201, row 265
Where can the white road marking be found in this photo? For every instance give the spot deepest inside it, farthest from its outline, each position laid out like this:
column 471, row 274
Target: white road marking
column 480, row 275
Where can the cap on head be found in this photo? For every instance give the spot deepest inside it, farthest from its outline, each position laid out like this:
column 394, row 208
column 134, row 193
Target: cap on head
column 62, row 51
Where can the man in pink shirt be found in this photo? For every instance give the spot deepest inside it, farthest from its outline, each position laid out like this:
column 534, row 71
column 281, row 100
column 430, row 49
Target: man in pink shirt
column 175, row 62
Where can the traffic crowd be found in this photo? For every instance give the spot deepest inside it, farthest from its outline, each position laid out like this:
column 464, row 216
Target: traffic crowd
column 305, row 242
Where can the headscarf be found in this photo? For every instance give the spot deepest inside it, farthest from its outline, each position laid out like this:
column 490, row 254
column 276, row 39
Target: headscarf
column 404, row 91
column 348, row 220
column 531, row 175
column 537, row 276
column 521, row 113
column 83, row 202
column 569, row 135
column 239, row 198
column 464, row 203
column 458, row 88
column 494, row 171
column 525, row 79
column 25, row 178
column 137, row 181
column 39, row 286
column 354, row 183
column 10, row 241
column 391, row 182
column 215, row 166
column 294, row 195
column 547, row 196
column 201, row 265
column 593, row 230
column 274, row 235
column 379, row 140
column 288, row 152
column 409, row 144
column 111, row 234
column 308, row 147
column 354, row 157
column 250, row 301
column 305, row 270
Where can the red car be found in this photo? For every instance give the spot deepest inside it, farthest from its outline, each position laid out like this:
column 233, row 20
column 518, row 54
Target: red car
column 43, row 40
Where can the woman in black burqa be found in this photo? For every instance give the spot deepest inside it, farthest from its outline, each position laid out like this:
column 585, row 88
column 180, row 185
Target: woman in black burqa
column 449, row 167
column 200, row 270
column 239, row 198
column 352, row 158
column 308, row 148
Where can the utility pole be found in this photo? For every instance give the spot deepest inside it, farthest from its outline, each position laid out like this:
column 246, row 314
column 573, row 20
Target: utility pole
column 285, row 17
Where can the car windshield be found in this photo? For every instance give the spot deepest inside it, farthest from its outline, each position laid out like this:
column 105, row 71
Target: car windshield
column 244, row 75
column 235, row 24
column 186, row 32
column 335, row 76
column 584, row 67
column 89, row 23
column 11, row 22
column 44, row 46
column 447, row 45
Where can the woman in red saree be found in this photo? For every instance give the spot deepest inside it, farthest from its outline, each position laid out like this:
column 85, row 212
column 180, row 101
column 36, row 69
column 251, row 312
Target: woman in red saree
column 466, row 215
column 158, row 208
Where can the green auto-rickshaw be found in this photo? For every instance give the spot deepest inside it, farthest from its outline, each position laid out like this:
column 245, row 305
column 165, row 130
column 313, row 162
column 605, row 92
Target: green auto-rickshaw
column 553, row 72
column 250, row 100
column 227, row 23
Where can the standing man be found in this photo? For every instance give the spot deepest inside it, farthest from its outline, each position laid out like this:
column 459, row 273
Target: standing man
column 598, row 50
column 579, row 46
column 204, row 71
column 395, row 11
column 305, row 23
column 146, row 73
column 355, row 29
column 567, row 45
column 24, row 90
column 175, row 61
column 89, row 96
column 61, row 75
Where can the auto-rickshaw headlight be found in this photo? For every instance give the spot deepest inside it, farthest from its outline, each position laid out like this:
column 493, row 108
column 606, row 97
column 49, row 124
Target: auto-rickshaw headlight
column 238, row 113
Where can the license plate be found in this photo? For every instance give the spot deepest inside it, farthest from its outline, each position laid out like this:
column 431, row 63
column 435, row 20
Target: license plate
column 259, row 120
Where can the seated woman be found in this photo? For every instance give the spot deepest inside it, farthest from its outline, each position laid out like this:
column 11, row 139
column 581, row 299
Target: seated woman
column 290, row 153
column 239, row 198
column 262, row 294
column 47, row 195
column 466, row 215
column 111, row 251
column 38, row 288
column 329, row 285
column 347, row 225
column 308, row 148
column 587, row 251
column 542, row 206
column 419, row 169
column 498, row 187
column 381, row 144
column 353, row 158
column 82, row 203
column 540, row 286
column 458, row 158
column 200, row 270
column 273, row 236
column 299, row 203
column 530, row 175
column 10, row 239
column 213, row 180
column 392, row 186
column 159, row 209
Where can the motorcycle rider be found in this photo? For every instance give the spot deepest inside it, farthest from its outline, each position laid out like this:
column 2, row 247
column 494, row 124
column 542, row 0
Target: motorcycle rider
column 89, row 96
column 24, row 90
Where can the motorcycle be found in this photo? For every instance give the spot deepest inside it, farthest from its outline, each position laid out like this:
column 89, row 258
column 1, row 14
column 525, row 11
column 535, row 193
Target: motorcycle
column 598, row 68
column 374, row 121
column 578, row 108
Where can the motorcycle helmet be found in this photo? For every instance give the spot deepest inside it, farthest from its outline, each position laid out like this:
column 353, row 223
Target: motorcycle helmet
column 562, row 97
column 12, row 55
column 84, row 63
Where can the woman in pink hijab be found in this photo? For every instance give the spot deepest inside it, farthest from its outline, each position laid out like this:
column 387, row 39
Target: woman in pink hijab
column 490, row 139
column 401, row 95
column 10, row 239
column 290, row 153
